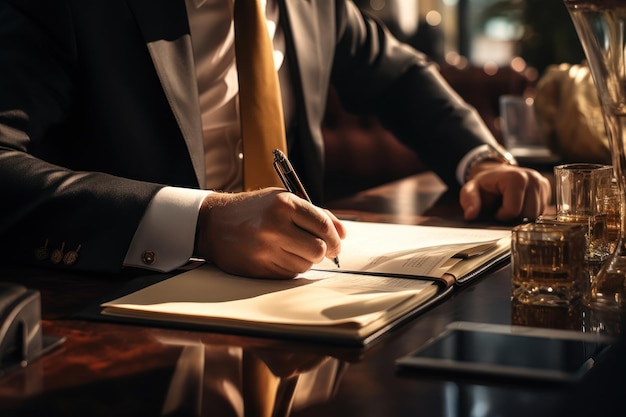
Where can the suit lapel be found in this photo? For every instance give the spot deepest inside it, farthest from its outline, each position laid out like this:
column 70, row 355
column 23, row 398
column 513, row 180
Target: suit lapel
column 164, row 26
column 312, row 44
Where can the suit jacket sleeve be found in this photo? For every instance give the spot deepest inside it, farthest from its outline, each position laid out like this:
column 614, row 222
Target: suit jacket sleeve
column 405, row 90
column 48, row 206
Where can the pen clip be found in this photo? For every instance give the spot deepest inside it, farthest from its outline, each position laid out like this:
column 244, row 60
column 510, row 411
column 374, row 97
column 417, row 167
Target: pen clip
column 288, row 175
column 280, row 167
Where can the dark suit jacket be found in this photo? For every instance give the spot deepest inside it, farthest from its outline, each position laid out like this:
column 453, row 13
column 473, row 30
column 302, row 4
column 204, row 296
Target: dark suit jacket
column 99, row 109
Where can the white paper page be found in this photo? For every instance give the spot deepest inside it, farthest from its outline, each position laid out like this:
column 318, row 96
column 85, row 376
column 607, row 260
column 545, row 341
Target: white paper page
column 405, row 249
column 314, row 298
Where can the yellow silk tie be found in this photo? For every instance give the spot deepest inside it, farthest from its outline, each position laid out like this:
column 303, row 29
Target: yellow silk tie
column 260, row 105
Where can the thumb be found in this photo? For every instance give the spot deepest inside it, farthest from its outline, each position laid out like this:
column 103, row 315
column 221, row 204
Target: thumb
column 470, row 201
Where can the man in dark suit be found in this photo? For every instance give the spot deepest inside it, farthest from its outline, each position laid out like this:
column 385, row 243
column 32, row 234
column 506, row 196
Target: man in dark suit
column 108, row 143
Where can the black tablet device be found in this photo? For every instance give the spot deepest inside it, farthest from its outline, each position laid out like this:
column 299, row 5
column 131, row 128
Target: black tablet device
column 504, row 352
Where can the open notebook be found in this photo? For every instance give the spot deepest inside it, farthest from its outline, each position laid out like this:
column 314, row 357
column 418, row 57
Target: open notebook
column 388, row 273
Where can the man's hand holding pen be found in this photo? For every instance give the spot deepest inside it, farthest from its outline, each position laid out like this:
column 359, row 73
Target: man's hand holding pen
column 291, row 181
column 269, row 233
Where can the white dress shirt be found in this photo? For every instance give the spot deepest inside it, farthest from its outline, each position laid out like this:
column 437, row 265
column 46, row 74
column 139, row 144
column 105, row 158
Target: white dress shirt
column 169, row 224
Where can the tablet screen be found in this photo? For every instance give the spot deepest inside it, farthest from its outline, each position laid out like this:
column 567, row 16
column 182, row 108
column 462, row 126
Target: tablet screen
column 509, row 351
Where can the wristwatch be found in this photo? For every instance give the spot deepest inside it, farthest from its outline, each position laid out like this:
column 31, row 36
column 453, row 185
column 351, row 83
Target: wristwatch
column 488, row 153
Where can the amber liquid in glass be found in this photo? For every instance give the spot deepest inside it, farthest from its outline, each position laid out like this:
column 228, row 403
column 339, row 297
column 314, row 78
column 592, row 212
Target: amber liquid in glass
column 596, row 237
column 546, row 272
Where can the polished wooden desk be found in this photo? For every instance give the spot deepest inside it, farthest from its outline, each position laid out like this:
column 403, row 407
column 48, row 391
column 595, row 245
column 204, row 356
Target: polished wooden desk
column 110, row 369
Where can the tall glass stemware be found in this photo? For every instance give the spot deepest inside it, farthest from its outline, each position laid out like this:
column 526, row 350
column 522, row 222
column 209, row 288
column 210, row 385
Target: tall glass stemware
column 601, row 28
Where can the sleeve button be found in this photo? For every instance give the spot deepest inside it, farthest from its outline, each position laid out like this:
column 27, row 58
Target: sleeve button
column 148, row 257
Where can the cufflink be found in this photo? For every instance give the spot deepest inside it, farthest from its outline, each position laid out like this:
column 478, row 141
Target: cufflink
column 148, row 257
column 42, row 252
column 71, row 257
column 57, row 255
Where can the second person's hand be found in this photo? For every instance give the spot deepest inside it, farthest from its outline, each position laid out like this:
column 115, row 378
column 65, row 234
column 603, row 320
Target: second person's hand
column 509, row 192
column 268, row 233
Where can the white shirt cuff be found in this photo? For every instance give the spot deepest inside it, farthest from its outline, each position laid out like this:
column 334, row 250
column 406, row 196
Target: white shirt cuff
column 165, row 237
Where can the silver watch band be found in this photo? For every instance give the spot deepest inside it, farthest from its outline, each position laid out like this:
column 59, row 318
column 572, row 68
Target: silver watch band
column 490, row 153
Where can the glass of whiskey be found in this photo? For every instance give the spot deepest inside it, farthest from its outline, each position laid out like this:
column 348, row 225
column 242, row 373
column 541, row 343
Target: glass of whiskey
column 548, row 264
column 580, row 188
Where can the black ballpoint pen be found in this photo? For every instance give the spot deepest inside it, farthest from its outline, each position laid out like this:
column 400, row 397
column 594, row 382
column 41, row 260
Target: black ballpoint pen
column 290, row 179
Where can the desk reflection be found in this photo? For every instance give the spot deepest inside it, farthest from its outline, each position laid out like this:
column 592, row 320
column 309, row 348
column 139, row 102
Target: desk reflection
column 230, row 381
column 474, row 400
column 577, row 316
